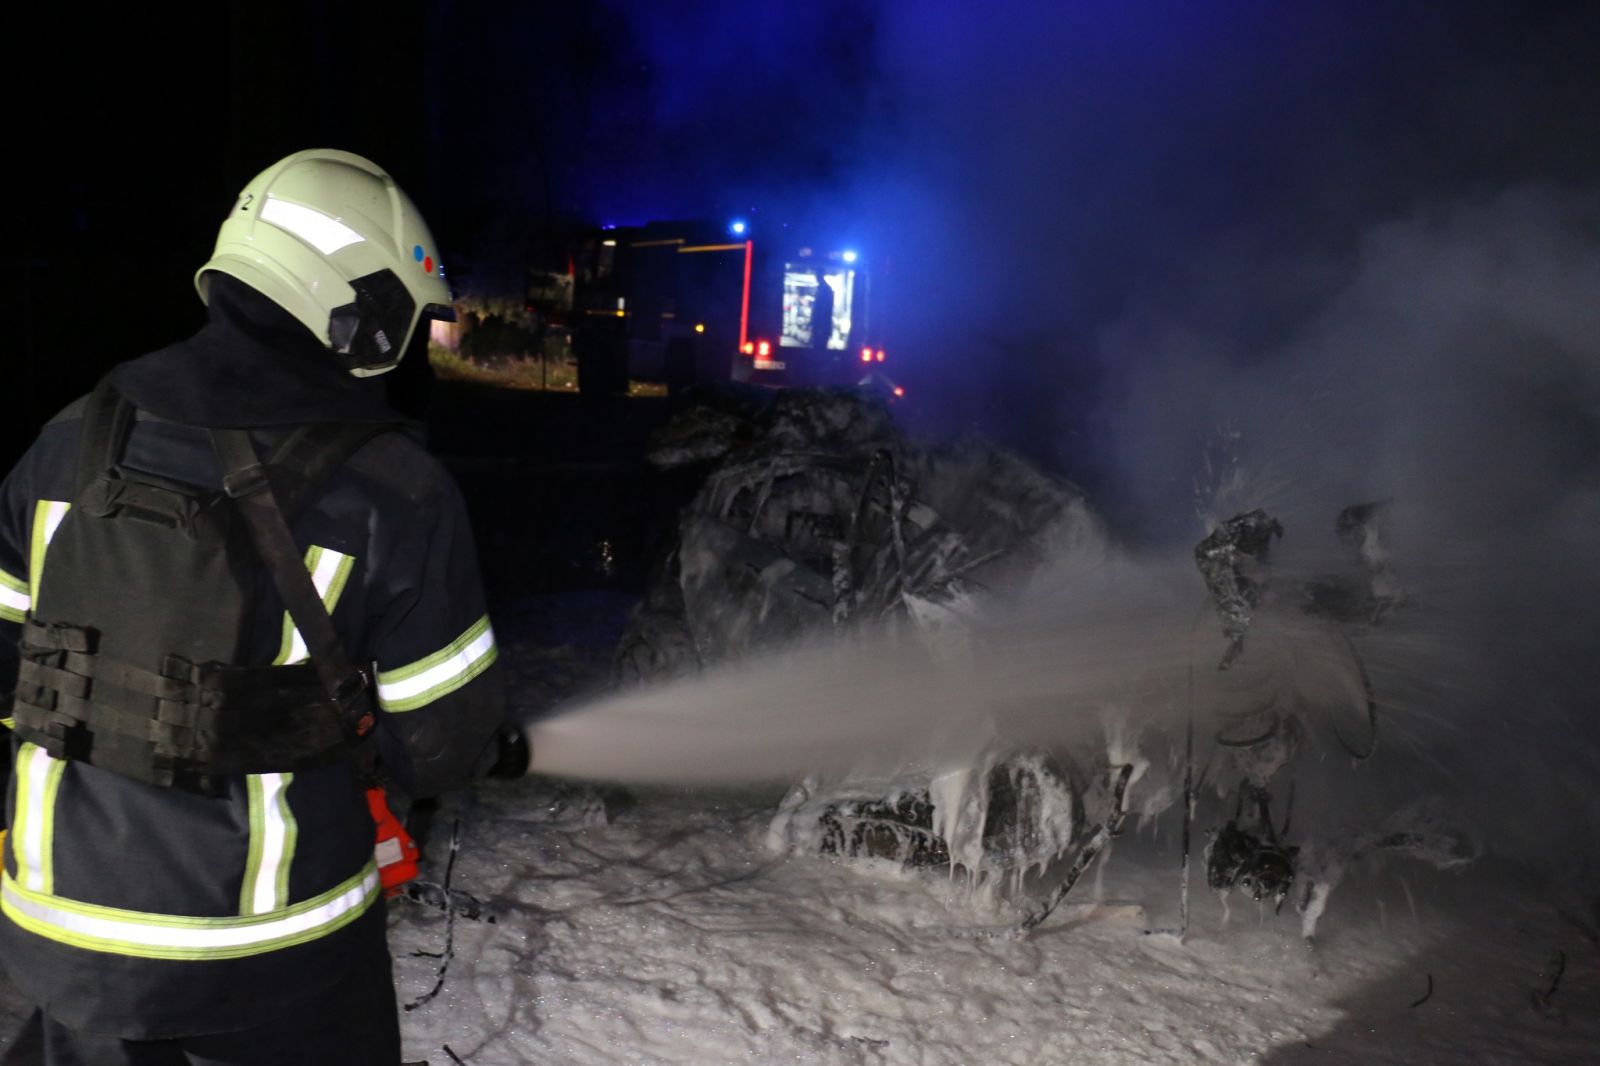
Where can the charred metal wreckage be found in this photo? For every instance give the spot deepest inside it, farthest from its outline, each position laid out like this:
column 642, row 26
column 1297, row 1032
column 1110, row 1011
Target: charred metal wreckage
column 817, row 514
column 1248, row 852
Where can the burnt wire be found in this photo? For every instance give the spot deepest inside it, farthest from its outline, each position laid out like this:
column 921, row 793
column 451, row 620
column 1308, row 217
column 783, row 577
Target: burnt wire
column 1102, row 836
column 1372, row 704
column 449, row 951
column 1542, row 1000
column 1188, row 783
column 1288, row 813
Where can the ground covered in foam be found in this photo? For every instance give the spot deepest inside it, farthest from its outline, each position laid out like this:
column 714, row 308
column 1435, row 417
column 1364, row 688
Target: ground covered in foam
column 672, row 935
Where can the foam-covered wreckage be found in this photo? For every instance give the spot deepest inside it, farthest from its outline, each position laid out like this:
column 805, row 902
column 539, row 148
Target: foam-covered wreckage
column 1263, row 726
column 817, row 515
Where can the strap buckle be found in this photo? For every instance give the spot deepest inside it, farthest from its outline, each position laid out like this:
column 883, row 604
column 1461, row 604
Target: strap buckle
column 246, row 481
column 352, row 697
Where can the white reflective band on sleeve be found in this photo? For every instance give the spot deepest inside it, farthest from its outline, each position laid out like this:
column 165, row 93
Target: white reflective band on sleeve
column 47, row 516
column 15, row 600
column 171, row 936
column 330, row 570
column 323, row 232
column 422, row 682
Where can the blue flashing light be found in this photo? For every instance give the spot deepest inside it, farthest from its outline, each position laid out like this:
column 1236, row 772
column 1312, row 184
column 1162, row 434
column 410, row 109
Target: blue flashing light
column 849, row 256
column 737, row 227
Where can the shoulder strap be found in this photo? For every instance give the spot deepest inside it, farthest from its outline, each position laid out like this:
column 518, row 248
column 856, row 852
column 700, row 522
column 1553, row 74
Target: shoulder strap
column 304, row 459
column 107, row 417
column 347, row 685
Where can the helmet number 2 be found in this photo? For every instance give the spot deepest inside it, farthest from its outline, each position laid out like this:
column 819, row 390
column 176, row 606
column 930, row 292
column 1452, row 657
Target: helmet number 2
column 244, row 201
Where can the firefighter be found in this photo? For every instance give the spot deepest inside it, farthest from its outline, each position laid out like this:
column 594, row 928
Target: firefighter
column 190, row 873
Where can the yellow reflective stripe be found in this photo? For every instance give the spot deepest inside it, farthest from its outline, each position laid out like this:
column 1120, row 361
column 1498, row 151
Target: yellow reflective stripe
column 272, row 839
column 33, row 842
column 47, row 516
column 330, row 572
column 180, row 937
column 415, row 685
column 254, row 790
column 15, row 599
column 22, row 772
column 291, row 837
column 58, row 769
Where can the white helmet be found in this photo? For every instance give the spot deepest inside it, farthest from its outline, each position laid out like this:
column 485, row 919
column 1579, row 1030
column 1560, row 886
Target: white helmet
column 329, row 237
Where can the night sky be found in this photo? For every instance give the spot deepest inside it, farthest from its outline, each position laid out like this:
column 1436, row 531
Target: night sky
column 1033, row 172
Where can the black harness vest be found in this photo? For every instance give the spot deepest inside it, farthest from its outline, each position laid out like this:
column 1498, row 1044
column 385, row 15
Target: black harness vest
column 130, row 653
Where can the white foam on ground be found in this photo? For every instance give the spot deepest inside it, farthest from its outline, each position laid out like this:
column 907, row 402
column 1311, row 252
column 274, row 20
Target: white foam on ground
column 674, row 936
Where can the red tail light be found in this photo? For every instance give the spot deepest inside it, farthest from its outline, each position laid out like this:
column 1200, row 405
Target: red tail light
column 880, row 355
column 898, row 391
column 763, row 349
column 866, row 355
column 748, row 348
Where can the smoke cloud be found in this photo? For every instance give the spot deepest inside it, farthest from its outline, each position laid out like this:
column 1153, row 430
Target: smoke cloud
column 1212, row 259
column 1455, row 370
column 1043, row 173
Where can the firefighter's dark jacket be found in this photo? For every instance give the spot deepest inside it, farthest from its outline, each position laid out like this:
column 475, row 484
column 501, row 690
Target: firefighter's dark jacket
column 150, row 913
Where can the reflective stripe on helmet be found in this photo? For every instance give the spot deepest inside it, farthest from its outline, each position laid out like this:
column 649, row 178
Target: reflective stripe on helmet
column 420, row 683
column 323, row 232
column 329, row 570
column 15, row 599
column 171, row 936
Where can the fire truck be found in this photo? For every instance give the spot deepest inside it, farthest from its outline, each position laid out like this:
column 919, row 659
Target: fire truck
column 680, row 303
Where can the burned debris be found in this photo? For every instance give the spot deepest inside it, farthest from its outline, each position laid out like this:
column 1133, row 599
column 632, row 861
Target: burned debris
column 899, row 828
column 1260, row 736
column 1262, row 739
column 999, row 821
column 1222, row 558
column 1248, row 853
column 816, row 515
